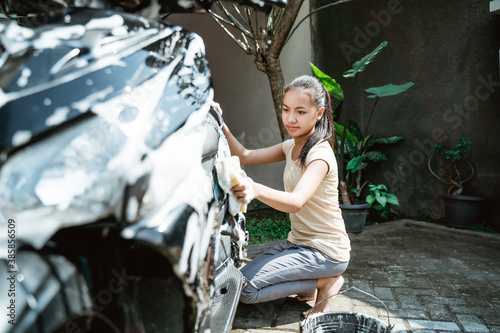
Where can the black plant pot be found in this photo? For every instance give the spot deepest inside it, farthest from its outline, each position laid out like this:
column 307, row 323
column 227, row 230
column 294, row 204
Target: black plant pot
column 463, row 211
column 354, row 216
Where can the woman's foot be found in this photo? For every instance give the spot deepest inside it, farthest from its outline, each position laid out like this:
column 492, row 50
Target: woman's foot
column 327, row 287
column 312, row 297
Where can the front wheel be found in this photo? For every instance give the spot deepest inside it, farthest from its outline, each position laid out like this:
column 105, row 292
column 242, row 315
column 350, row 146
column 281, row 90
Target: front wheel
column 48, row 294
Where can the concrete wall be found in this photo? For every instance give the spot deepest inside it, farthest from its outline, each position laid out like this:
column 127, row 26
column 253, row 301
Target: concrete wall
column 450, row 50
column 243, row 91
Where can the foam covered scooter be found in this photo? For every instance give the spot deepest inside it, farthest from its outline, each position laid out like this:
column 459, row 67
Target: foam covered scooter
column 111, row 216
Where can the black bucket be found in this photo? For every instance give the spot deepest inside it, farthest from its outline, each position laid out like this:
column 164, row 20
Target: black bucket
column 345, row 322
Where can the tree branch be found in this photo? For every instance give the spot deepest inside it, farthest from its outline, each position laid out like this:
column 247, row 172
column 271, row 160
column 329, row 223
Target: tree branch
column 244, row 47
column 313, row 12
column 283, row 29
column 234, row 21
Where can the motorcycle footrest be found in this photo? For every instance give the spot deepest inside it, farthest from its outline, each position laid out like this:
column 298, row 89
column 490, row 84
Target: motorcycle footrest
column 228, row 285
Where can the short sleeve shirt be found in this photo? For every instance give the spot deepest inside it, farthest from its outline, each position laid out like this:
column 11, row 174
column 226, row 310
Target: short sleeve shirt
column 319, row 223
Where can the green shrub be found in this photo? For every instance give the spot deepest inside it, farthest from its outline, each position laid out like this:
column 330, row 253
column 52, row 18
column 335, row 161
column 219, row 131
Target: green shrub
column 267, row 226
column 484, row 227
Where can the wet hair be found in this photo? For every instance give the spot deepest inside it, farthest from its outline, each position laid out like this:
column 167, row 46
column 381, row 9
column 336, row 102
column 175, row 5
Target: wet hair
column 323, row 129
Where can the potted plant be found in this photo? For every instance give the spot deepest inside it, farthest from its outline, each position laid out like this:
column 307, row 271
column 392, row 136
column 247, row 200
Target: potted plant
column 358, row 151
column 381, row 200
column 354, row 212
column 461, row 211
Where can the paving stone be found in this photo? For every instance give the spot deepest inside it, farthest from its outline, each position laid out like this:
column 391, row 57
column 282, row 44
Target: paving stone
column 480, row 310
column 289, row 320
column 342, row 303
column 426, row 293
column 347, row 280
column 253, row 316
column 489, row 290
column 451, row 277
column 475, row 300
column 490, row 317
column 378, row 276
column 476, row 278
column 445, row 290
column 384, row 293
column 446, row 300
column 410, row 314
column 409, row 302
column 395, row 279
column 392, row 305
column 431, row 278
column 291, row 303
column 472, row 324
column 240, row 322
column 399, row 325
column 495, row 301
column 420, row 282
column 434, row 325
column 398, row 268
column 494, row 329
column 438, row 312
column 416, row 291
column 361, row 302
column 362, row 285
column 366, row 310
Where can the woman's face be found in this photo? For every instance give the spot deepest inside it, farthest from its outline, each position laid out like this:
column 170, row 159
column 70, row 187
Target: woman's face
column 299, row 113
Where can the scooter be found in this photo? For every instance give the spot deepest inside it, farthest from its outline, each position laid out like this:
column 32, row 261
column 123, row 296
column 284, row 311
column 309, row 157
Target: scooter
column 111, row 215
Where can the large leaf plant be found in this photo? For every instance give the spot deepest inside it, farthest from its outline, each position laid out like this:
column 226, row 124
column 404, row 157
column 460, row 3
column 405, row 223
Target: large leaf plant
column 359, row 152
column 355, row 146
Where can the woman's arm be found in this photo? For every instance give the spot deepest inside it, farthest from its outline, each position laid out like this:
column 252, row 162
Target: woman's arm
column 253, row 156
column 289, row 202
column 247, row 156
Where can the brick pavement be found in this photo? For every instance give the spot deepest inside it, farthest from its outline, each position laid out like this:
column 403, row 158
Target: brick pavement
column 430, row 277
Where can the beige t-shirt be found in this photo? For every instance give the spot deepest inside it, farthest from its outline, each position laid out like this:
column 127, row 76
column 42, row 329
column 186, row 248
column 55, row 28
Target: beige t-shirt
column 319, row 223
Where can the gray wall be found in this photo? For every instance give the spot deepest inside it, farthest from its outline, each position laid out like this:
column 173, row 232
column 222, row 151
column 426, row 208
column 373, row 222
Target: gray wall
column 243, row 91
column 450, row 49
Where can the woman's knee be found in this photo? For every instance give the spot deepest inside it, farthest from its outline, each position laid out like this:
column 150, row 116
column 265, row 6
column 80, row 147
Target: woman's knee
column 248, row 296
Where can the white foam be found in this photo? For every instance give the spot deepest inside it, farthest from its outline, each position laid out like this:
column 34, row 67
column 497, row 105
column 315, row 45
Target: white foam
column 105, row 23
column 21, row 137
column 59, row 116
column 24, row 78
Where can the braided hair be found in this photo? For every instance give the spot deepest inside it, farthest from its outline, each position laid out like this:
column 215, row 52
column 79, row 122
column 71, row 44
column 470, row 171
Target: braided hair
column 323, row 129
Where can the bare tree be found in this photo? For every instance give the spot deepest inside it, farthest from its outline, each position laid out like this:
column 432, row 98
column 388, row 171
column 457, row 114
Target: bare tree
column 264, row 35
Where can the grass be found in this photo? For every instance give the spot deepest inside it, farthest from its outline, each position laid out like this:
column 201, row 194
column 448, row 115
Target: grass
column 266, row 225
column 484, row 227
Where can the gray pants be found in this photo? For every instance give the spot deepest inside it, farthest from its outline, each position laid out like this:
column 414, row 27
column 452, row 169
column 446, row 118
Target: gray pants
column 287, row 269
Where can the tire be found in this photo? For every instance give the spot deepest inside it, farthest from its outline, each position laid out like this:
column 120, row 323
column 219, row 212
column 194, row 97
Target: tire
column 50, row 295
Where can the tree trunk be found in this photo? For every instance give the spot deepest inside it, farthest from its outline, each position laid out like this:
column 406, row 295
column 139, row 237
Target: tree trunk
column 277, row 83
column 268, row 61
column 343, row 193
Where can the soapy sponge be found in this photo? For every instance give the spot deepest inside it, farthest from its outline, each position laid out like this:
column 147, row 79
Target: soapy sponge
column 229, row 174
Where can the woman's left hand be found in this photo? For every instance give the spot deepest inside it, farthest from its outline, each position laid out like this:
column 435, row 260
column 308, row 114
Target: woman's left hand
column 240, row 191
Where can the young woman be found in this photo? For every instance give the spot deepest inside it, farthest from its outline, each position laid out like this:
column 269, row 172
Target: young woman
column 310, row 262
